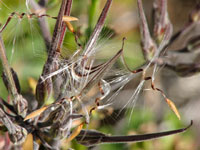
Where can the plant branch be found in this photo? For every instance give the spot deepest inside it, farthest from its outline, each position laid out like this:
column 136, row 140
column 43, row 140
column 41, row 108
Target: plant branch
column 97, row 30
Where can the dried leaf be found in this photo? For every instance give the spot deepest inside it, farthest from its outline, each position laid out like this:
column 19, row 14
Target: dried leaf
column 36, row 113
column 173, row 107
column 69, row 18
column 69, row 26
column 75, row 133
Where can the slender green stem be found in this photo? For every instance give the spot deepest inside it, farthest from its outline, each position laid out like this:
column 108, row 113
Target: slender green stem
column 6, row 67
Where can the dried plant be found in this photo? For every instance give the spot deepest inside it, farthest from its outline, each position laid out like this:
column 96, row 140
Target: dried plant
column 70, row 80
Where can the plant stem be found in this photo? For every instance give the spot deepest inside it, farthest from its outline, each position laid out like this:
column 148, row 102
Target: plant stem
column 92, row 11
column 6, row 67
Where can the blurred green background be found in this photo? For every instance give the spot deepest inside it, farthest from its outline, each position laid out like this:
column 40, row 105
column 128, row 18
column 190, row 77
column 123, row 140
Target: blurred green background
column 26, row 53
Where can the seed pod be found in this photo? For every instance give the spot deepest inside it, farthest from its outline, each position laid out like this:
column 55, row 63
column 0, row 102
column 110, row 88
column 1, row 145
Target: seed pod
column 43, row 91
column 162, row 25
column 16, row 80
column 148, row 45
column 92, row 137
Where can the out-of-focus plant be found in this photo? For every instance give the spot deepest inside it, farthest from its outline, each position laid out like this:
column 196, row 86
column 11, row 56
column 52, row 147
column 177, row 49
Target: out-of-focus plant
column 69, row 81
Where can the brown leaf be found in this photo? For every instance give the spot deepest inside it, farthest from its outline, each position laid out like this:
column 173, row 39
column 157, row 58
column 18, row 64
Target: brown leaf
column 75, row 133
column 69, row 26
column 69, row 18
column 36, row 113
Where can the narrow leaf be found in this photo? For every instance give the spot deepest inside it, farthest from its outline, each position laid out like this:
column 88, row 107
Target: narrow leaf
column 69, row 18
column 75, row 133
column 69, row 26
column 35, row 113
